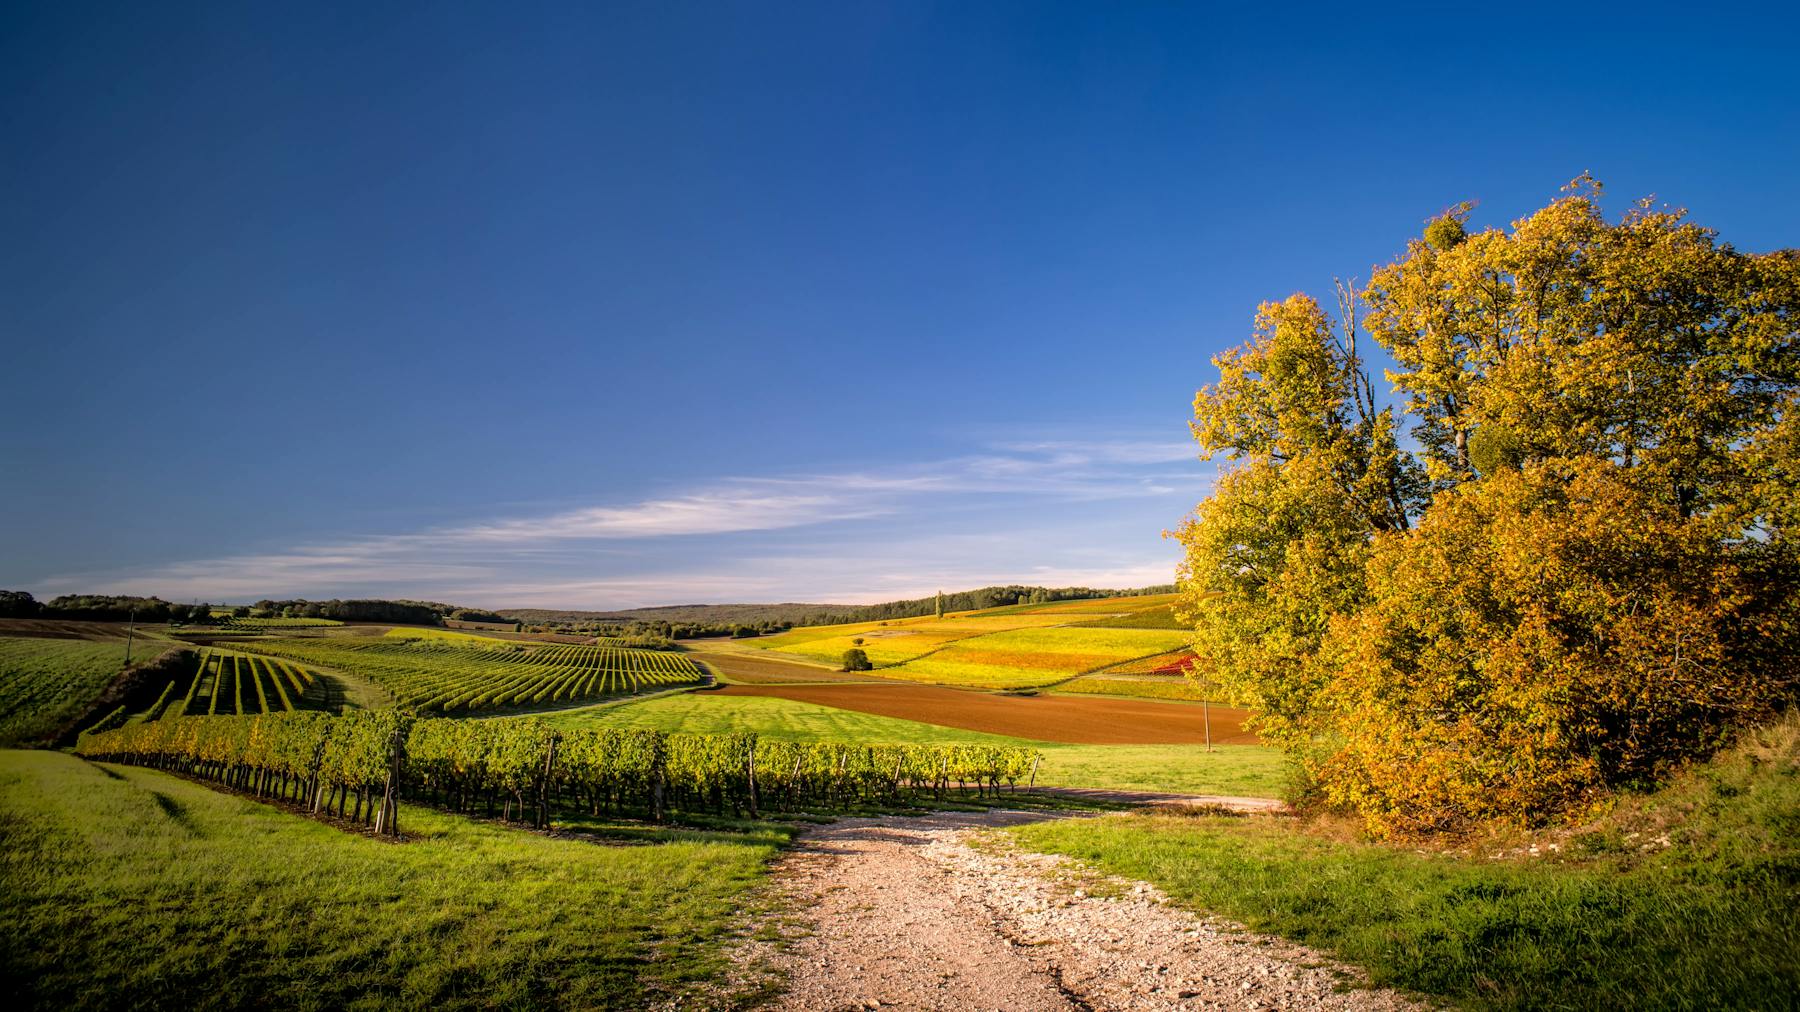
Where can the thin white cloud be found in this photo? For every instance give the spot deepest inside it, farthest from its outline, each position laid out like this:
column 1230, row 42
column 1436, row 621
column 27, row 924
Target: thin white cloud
column 703, row 513
column 551, row 559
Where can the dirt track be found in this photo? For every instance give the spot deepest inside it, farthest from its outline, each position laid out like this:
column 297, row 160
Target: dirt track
column 904, row 912
column 1072, row 719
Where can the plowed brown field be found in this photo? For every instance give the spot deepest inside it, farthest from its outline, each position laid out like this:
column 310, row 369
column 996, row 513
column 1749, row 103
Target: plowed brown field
column 1039, row 718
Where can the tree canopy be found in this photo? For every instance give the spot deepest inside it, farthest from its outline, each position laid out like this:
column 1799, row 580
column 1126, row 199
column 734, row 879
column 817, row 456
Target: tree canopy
column 1576, row 565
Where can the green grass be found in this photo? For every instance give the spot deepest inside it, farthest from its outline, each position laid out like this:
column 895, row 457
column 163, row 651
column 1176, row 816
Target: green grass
column 1615, row 918
column 124, row 886
column 786, row 719
column 46, row 682
column 1252, row 771
column 1249, row 770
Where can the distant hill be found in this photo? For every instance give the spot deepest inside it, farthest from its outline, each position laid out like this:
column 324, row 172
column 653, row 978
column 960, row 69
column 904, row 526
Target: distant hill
column 822, row 614
column 711, row 614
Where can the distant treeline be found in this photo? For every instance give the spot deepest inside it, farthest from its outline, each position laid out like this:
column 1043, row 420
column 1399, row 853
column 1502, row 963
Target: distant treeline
column 687, row 621
column 693, row 621
column 100, row 608
column 119, row 607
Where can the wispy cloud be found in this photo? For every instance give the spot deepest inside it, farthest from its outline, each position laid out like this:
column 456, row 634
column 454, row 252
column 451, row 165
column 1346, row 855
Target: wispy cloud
column 556, row 558
column 700, row 513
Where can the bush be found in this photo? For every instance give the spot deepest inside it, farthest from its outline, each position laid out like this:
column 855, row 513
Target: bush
column 1522, row 652
column 856, row 660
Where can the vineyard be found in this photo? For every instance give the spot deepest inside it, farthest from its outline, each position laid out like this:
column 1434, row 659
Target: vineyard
column 361, row 764
column 277, row 624
column 223, row 683
column 229, row 683
column 482, row 674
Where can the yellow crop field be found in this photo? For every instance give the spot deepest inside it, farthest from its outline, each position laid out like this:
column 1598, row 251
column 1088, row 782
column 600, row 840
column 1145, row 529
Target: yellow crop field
column 895, row 640
column 1169, row 664
column 1105, row 605
column 1009, row 647
column 447, row 636
column 1025, row 658
column 884, row 646
column 1174, row 687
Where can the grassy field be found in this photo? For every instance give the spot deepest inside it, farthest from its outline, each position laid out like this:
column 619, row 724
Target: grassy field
column 1249, row 770
column 114, row 880
column 1020, row 646
column 1686, row 899
column 47, row 682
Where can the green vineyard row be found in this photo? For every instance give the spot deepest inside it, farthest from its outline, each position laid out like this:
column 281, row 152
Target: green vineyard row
column 450, row 678
column 231, row 683
column 529, row 768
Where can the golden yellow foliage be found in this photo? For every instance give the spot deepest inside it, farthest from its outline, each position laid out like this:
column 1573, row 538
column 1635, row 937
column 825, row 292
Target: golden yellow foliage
column 1583, row 573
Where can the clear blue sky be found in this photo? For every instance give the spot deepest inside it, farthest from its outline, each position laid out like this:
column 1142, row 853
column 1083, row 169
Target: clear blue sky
column 608, row 304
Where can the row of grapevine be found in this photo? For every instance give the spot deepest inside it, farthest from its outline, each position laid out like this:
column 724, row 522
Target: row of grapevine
column 528, row 768
column 448, row 677
column 226, row 683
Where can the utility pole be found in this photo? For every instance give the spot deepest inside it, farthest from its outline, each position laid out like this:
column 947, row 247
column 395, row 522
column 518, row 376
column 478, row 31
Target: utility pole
column 1206, row 714
column 130, row 625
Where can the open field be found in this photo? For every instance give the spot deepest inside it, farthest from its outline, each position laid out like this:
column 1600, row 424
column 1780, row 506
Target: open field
column 1175, row 689
column 1152, row 618
column 46, row 682
column 1019, row 646
column 711, row 713
column 74, row 629
column 279, row 624
column 771, row 669
column 1028, row 658
column 1683, row 899
column 1247, row 770
column 1093, row 721
column 114, row 878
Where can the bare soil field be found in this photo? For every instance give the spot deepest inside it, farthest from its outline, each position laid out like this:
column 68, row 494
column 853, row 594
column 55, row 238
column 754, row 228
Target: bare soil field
column 1074, row 720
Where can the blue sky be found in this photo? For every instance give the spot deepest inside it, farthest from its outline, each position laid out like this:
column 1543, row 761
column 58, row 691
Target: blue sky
column 607, row 305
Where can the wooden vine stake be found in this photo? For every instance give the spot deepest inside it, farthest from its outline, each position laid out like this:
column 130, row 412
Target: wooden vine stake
column 387, row 820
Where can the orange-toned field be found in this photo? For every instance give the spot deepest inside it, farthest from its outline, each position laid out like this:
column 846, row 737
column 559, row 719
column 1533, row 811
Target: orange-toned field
column 1040, row 718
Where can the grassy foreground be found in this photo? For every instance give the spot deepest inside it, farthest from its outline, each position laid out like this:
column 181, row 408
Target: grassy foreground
column 1251, row 770
column 125, row 881
column 1686, row 899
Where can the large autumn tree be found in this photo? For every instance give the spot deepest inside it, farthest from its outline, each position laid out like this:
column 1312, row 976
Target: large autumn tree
column 1576, row 568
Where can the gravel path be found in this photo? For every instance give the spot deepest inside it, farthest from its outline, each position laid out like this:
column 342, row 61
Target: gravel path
column 934, row 913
